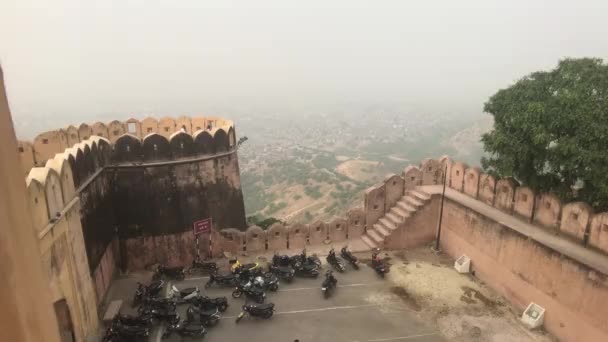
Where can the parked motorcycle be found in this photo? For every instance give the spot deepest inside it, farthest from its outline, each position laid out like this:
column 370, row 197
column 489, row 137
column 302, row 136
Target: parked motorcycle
column 250, row 291
column 305, row 259
column 151, row 290
column 185, row 295
column 284, row 272
column 176, row 273
column 281, row 260
column 348, row 256
column 204, row 302
column 161, row 314
column 378, row 264
column 335, row 261
column 208, row 317
column 329, row 284
column 221, row 280
column 202, row 267
column 256, row 310
column 185, row 329
column 266, row 281
column 306, row 270
column 120, row 332
column 237, row 267
column 129, row 320
column 158, row 303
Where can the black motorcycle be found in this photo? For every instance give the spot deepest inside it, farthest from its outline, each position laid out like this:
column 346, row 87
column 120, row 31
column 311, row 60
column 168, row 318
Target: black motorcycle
column 348, row 256
column 228, row 280
column 151, row 290
column 204, row 302
column 184, row 296
column 129, row 320
column 120, row 332
column 176, row 273
column 266, row 281
column 304, row 259
column 158, row 303
column 208, row 317
column 186, row 329
column 329, row 284
column 202, row 267
column 281, row 260
column 306, row 270
column 286, row 273
column 256, row 310
column 336, row 262
column 161, row 314
column 379, row 265
column 250, row 291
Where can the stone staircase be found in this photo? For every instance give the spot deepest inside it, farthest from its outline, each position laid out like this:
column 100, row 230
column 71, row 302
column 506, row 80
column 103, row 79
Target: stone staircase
column 395, row 217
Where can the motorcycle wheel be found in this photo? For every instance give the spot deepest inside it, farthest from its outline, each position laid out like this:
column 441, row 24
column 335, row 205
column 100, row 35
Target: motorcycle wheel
column 222, row 307
column 259, row 300
column 355, row 266
column 208, row 284
column 237, row 294
column 267, row 315
column 181, row 276
column 326, row 293
column 211, row 323
column 274, row 287
column 240, row 317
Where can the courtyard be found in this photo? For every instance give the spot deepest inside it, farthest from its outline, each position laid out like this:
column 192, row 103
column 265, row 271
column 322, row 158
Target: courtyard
column 421, row 299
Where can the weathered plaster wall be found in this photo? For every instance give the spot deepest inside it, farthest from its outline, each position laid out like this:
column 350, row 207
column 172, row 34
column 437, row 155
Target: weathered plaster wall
column 524, row 271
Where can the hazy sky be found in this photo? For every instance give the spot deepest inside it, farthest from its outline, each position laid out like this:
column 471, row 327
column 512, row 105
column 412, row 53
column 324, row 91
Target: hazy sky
column 98, row 58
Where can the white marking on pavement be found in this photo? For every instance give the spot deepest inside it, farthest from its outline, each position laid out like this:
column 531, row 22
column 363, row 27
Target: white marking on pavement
column 401, row 337
column 347, row 307
column 195, row 278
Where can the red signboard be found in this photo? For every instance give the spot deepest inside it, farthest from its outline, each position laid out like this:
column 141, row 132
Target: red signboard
column 202, row 226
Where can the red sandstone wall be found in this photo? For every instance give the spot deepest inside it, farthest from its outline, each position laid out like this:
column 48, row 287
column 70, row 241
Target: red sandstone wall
column 419, row 229
column 171, row 250
column 524, row 271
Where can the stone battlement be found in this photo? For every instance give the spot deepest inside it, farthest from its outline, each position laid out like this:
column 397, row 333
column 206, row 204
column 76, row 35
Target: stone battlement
column 149, row 139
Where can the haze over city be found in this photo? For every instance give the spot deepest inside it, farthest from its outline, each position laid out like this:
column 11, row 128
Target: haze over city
column 87, row 61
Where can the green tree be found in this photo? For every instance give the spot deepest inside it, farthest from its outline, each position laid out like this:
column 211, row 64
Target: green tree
column 551, row 131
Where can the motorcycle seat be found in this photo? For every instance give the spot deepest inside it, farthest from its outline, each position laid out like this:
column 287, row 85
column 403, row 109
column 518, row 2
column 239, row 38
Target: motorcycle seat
column 187, row 291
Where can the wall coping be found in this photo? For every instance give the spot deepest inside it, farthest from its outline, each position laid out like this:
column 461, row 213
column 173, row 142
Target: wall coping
column 585, row 256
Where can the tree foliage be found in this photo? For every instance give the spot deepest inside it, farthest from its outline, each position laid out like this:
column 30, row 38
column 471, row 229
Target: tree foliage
column 551, row 131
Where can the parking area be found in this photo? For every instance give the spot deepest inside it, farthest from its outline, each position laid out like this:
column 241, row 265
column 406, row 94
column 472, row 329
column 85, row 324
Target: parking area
column 363, row 308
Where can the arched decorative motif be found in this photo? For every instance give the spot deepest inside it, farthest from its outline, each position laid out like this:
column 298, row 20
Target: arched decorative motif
column 127, row 149
column 156, row 147
column 182, row 145
column 220, row 141
column 84, row 132
column 149, row 125
column 115, row 130
column 203, row 143
column 100, row 129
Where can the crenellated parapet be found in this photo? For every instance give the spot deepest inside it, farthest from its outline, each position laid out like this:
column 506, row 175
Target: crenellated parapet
column 158, row 139
column 575, row 220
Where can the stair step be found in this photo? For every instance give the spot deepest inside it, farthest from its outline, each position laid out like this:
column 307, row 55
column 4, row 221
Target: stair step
column 394, row 218
column 413, row 201
column 369, row 241
column 381, row 230
column 375, row 236
column 421, row 195
column 387, row 223
column 402, row 204
column 400, row 212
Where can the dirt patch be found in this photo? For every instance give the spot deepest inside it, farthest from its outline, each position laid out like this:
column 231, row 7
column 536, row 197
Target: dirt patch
column 470, row 293
column 408, row 299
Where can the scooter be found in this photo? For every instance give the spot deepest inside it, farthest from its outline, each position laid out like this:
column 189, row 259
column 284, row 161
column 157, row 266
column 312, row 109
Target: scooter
column 253, row 292
column 202, row 267
column 222, row 280
column 151, row 290
column 204, row 302
column 256, row 310
column 329, row 283
column 208, row 317
column 286, row 273
column 333, row 260
column 378, row 264
column 176, row 273
column 185, row 329
column 184, row 296
column 348, row 256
